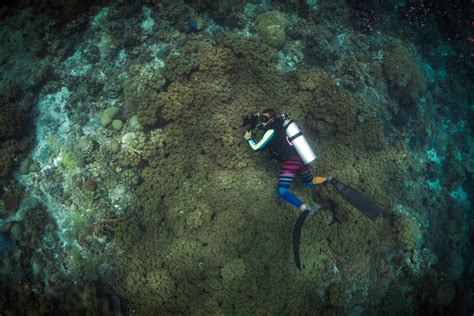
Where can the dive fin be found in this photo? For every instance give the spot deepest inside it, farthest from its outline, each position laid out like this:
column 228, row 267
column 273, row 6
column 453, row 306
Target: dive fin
column 356, row 199
column 297, row 236
column 320, row 180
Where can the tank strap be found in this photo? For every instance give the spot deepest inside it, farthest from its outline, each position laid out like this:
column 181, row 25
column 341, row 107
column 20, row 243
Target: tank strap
column 295, row 136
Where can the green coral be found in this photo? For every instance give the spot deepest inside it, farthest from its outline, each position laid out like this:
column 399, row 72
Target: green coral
column 271, row 26
column 117, row 125
column 108, row 115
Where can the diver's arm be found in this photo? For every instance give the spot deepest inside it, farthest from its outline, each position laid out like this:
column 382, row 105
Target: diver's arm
column 265, row 139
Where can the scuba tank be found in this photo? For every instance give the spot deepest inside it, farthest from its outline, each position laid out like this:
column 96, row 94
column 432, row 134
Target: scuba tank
column 297, row 140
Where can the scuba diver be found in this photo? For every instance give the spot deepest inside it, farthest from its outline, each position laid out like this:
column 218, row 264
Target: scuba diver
column 284, row 141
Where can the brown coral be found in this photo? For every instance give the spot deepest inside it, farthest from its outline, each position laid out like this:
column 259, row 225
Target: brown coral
column 218, row 60
column 402, row 73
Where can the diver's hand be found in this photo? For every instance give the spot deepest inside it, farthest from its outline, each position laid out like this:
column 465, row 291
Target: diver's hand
column 248, row 135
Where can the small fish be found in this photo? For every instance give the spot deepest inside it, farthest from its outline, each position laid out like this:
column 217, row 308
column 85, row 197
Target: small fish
column 194, row 25
column 6, row 243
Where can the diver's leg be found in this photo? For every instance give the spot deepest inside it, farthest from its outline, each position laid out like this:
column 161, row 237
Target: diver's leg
column 306, row 176
column 285, row 179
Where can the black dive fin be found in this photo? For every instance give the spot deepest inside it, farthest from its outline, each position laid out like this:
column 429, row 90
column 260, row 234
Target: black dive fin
column 356, row 199
column 297, row 235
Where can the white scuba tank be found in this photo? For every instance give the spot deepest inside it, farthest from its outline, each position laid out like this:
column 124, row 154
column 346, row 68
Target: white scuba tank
column 297, row 140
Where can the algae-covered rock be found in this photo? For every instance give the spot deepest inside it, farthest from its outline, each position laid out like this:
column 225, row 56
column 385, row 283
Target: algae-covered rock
column 271, row 26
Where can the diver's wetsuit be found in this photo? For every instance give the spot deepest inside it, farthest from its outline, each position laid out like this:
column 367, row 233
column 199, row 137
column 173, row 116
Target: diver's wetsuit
column 276, row 142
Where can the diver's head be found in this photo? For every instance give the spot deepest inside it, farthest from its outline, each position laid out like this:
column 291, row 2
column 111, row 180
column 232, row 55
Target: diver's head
column 268, row 116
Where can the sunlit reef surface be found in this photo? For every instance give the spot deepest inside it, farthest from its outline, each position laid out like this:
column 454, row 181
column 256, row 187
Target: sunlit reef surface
column 128, row 188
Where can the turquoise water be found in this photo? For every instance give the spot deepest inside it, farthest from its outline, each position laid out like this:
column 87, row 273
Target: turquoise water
column 128, row 188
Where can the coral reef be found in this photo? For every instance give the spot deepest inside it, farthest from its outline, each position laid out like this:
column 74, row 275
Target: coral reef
column 140, row 195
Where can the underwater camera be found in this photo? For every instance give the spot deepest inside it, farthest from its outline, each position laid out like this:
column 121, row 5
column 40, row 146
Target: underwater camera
column 250, row 121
